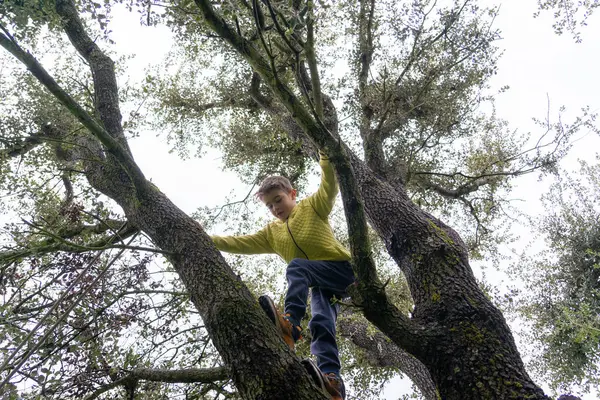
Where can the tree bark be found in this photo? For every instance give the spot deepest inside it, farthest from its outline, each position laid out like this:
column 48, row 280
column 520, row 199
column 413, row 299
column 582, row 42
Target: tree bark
column 472, row 354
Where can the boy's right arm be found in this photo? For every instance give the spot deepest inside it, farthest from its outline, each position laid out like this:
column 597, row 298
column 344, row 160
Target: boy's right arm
column 323, row 199
column 246, row 244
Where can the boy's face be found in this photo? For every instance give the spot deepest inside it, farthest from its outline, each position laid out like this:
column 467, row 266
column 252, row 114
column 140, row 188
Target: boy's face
column 280, row 202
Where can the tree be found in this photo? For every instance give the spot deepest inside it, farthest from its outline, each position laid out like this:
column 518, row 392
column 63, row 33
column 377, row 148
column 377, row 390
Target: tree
column 569, row 15
column 562, row 292
column 409, row 109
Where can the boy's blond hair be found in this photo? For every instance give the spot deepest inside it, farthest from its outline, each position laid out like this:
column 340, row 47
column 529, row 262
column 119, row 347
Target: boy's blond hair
column 274, row 182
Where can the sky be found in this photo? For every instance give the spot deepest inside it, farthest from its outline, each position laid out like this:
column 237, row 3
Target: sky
column 544, row 71
column 537, row 65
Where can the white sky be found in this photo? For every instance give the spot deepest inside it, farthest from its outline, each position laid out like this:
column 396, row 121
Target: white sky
column 536, row 64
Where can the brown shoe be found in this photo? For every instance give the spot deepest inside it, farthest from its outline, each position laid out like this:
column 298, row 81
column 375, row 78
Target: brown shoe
column 290, row 332
column 335, row 386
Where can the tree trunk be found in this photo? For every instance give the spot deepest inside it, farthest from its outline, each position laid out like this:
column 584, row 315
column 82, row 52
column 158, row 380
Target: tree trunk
column 380, row 352
column 262, row 366
column 469, row 349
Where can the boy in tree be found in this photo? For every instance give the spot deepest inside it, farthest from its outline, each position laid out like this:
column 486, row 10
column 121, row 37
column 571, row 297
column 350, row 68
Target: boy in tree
column 302, row 236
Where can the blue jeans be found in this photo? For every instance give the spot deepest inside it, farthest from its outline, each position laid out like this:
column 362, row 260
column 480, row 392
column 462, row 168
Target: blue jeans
column 326, row 279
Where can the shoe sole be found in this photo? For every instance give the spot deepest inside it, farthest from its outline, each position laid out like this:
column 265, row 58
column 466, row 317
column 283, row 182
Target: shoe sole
column 315, row 373
column 268, row 306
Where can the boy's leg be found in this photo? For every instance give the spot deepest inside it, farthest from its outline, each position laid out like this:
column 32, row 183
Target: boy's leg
column 323, row 344
column 322, row 330
column 301, row 274
column 327, row 278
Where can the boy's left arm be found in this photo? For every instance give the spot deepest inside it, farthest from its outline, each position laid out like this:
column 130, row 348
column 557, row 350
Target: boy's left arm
column 323, row 200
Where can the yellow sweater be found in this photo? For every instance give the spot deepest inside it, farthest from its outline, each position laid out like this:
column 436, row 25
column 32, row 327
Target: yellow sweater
column 306, row 233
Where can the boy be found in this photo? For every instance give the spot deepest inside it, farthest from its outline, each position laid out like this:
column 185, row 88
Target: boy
column 302, row 236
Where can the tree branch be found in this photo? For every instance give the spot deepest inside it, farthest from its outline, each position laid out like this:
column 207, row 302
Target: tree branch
column 54, row 244
column 103, row 71
column 372, row 142
column 192, row 375
column 177, row 101
column 80, row 248
column 111, row 144
column 462, row 190
column 23, row 147
column 380, row 352
column 365, row 56
column 311, row 58
column 365, row 43
column 262, row 100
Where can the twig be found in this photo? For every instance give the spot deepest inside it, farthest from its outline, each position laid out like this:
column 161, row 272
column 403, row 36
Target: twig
column 91, row 248
column 61, row 318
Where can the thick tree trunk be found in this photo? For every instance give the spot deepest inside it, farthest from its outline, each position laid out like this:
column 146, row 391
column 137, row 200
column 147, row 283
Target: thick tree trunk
column 469, row 349
column 261, row 365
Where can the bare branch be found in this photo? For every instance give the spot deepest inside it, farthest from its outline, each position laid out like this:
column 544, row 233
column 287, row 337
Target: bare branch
column 224, row 206
column 23, row 147
column 462, row 190
column 380, row 352
column 191, row 375
column 80, row 248
column 59, row 241
column 480, row 226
